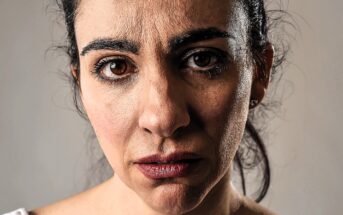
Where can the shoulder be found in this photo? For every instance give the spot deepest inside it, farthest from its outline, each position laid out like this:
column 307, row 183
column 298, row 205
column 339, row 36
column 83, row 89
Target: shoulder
column 81, row 203
column 70, row 205
column 250, row 207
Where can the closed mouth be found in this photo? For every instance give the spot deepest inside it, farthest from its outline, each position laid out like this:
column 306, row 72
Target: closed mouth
column 174, row 165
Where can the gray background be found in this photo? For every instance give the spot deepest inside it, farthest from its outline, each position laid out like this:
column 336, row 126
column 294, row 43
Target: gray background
column 43, row 142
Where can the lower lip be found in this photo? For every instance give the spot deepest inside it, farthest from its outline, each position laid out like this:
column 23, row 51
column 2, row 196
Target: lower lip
column 169, row 170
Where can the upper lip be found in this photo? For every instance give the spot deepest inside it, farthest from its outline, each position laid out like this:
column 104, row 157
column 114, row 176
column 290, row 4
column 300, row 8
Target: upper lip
column 173, row 157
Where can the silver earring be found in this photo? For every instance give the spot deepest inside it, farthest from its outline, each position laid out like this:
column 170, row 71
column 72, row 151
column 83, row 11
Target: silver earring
column 253, row 103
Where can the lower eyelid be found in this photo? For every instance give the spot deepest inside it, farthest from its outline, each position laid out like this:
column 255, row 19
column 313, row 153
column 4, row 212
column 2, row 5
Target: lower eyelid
column 112, row 82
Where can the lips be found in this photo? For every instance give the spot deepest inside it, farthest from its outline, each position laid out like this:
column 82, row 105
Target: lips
column 174, row 165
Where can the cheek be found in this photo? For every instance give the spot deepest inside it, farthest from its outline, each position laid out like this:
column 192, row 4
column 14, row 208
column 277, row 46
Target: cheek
column 224, row 110
column 225, row 106
column 110, row 118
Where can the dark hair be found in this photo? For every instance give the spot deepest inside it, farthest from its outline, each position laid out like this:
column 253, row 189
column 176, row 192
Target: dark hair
column 252, row 153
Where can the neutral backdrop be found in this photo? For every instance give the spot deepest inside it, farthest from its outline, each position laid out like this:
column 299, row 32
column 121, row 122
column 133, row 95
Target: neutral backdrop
column 44, row 151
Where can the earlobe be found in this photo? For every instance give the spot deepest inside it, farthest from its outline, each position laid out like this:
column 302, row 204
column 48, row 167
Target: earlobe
column 261, row 76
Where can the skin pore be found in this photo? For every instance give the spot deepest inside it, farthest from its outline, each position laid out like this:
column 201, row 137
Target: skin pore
column 159, row 77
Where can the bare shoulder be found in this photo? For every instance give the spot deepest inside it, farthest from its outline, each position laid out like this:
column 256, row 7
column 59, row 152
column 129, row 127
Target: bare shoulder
column 70, row 205
column 250, row 207
column 77, row 204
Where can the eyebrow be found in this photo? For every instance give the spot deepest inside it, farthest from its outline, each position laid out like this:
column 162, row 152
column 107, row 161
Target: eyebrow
column 197, row 35
column 111, row 44
column 176, row 42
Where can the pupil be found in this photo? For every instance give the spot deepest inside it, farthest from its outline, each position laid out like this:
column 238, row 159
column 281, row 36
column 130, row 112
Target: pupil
column 118, row 68
column 202, row 60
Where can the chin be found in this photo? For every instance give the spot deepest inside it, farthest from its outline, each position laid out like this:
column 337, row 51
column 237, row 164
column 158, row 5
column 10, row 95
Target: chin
column 175, row 199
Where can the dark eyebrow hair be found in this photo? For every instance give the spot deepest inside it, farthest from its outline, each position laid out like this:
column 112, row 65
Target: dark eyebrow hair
column 197, row 35
column 176, row 42
column 111, row 44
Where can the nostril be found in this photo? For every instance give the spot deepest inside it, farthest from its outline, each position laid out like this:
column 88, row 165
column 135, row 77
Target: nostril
column 147, row 130
column 164, row 115
column 179, row 132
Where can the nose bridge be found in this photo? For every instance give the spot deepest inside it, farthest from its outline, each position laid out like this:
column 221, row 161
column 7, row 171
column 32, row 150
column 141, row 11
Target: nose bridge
column 164, row 108
column 160, row 89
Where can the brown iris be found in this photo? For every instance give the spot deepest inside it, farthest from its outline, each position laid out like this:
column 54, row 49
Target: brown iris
column 118, row 67
column 202, row 59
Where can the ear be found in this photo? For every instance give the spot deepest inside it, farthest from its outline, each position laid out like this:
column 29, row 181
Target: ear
column 261, row 77
column 74, row 71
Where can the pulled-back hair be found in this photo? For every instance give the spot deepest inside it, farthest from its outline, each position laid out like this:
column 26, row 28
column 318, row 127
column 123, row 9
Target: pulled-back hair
column 252, row 152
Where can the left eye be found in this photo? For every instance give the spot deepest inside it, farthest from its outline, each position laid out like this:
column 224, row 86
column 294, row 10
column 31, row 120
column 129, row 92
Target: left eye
column 202, row 60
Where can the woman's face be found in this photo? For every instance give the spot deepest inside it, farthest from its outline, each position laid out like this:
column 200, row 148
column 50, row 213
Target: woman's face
column 166, row 87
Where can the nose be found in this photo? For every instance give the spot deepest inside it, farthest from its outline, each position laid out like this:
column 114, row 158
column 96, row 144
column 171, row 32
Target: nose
column 164, row 107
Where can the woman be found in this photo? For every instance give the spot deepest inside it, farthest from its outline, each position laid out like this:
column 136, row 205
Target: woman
column 167, row 87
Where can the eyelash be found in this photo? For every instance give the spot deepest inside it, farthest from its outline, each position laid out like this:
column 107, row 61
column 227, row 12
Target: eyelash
column 222, row 61
column 100, row 65
column 214, row 71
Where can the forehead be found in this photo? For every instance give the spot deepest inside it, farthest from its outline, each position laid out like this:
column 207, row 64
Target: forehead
column 155, row 20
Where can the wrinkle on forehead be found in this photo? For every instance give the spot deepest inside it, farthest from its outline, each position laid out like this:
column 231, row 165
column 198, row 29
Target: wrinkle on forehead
column 181, row 15
column 152, row 21
column 109, row 18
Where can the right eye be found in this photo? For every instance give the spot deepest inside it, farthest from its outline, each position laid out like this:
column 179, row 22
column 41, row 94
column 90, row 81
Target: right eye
column 114, row 69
